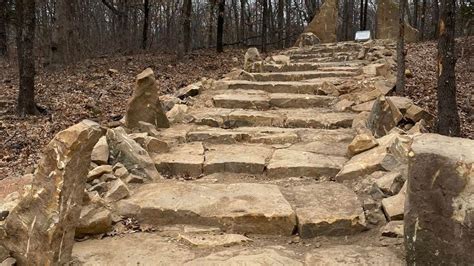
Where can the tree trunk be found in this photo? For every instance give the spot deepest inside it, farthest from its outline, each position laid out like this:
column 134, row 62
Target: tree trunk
column 288, row 23
column 3, row 28
column 25, row 15
column 220, row 27
column 435, row 18
column 366, row 5
column 187, row 10
column 415, row 14
column 264, row 25
column 281, row 6
column 401, row 50
column 361, row 23
column 146, row 18
column 423, row 20
column 210, row 33
column 448, row 118
column 242, row 23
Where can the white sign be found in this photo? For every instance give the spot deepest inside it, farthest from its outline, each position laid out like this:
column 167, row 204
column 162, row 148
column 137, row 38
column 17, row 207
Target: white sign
column 362, row 36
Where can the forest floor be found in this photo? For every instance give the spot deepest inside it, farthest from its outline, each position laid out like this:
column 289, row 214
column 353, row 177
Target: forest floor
column 88, row 90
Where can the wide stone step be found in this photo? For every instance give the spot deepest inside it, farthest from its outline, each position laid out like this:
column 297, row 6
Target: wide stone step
column 323, row 141
column 331, row 66
column 323, row 55
column 298, row 75
column 238, row 208
column 260, row 100
column 195, row 159
column 339, row 47
column 313, row 87
column 335, row 58
column 292, row 118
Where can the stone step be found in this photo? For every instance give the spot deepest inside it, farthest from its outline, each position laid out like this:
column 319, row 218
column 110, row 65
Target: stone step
column 326, row 208
column 323, row 55
column 338, row 58
column 260, row 100
column 292, row 118
column 323, row 141
column 339, row 47
column 313, row 87
column 194, row 159
column 298, row 75
column 331, row 66
column 237, row 208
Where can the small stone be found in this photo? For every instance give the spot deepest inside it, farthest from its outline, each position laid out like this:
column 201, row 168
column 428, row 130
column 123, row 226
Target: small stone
column 408, row 73
column 361, row 142
column 416, row 113
column 189, row 91
column 9, row 262
column 393, row 229
column 178, row 113
column 134, row 179
column 419, row 127
column 253, row 60
column 94, row 220
column 100, row 153
column 4, row 253
column 343, row 105
column 108, row 177
column 117, row 191
column 383, row 117
column 394, row 206
column 329, row 89
column 214, row 240
column 100, row 187
column 98, row 172
column 112, row 71
column 390, row 183
column 121, row 172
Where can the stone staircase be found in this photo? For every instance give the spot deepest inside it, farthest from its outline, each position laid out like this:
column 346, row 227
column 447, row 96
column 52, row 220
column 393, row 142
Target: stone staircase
column 256, row 155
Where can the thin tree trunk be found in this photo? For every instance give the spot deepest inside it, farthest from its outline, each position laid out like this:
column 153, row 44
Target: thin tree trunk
column 423, row 20
column 187, row 9
column 281, row 6
column 448, row 117
column 146, row 17
column 361, row 23
column 220, row 27
column 366, row 5
column 345, row 20
column 264, row 24
column 242, row 23
column 288, row 23
column 210, row 33
column 3, row 28
column 415, row 14
column 401, row 50
column 25, row 15
column 435, row 18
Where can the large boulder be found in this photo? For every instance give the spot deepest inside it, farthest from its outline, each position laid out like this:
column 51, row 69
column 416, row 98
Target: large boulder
column 40, row 229
column 253, row 60
column 145, row 103
column 383, row 117
column 128, row 152
column 439, row 212
column 387, row 22
column 324, row 24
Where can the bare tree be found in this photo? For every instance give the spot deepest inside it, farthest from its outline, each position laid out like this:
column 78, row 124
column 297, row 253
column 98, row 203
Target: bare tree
column 281, row 16
column 25, row 25
column 401, row 49
column 3, row 28
column 146, row 18
column 243, row 41
column 423, row 20
column 264, row 4
column 435, row 18
column 220, row 27
column 448, row 117
column 187, row 10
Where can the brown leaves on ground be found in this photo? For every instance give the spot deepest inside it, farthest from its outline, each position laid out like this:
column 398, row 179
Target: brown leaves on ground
column 421, row 61
column 88, row 90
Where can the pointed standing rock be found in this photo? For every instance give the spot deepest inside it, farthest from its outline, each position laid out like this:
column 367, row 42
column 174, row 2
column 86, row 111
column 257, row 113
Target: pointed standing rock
column 253, row 60
column 40, row 229
column 324, row 23
column 100, row 153
column 383, row 117
column 145, row 104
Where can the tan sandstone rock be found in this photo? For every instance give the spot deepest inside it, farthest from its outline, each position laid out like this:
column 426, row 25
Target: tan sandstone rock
column 40, row 230
column 362, row 142
column 100, row 153
column 324, row 24
column 131, row 154
column 307, row 39
column 387, row 22
column 94, row 220
column 383, row 117
column 145, row 104
column 253, row 61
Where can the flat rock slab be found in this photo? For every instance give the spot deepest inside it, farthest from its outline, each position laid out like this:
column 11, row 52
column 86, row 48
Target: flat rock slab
column 333, row 66
column 238, row 208
column 279, row 86
column 353, row 255
column 213, row 240
column 326, row 209
column 249, row 159
column 300, row 75
column 184, row 160
column 294, row 163
column 131, row 250
column 259, row 256
column 319, row 119
column 263, row 101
